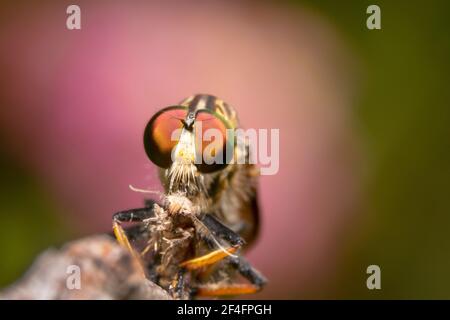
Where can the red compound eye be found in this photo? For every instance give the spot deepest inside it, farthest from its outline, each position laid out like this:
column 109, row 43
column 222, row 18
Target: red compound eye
column 213, row 141
column 162, row 133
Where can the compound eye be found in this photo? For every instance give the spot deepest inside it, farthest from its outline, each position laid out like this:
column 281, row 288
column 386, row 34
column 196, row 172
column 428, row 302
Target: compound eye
column 214, row 141
column 162, row 133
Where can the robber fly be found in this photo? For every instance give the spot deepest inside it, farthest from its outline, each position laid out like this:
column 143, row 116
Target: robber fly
column 191, row 240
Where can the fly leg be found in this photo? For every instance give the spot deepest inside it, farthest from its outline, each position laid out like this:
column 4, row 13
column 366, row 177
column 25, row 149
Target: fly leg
column 208, row 227
column 257, row 281
column 218, row 229
column 246, row 270
column 133, row 215
column 179, row 288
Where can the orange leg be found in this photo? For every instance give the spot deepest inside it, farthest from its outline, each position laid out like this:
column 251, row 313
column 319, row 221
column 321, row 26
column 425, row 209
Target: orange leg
column 133, row 215
column 136, row 215
column 214, row 227
column 211, row 290
column 121, row 236
column 208, row 259
column 257, row 281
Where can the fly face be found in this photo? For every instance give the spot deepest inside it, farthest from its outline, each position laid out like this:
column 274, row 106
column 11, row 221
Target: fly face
column 178, row 140
column 199, row 164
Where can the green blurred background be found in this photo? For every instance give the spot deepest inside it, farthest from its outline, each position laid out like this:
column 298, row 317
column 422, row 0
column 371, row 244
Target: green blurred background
column 402, row 112
column 404, row 116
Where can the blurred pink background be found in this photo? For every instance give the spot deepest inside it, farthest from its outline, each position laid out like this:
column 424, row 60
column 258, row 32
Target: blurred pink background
column 78, row 102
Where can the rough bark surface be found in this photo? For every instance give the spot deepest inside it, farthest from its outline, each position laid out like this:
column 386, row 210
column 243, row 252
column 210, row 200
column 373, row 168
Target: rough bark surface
column 107, row 272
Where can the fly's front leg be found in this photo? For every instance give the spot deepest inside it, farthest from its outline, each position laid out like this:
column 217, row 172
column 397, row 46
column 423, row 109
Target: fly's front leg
column 209, row 228
column 218, row 229
column 246, row 270
column 133, row 215
column 257, row 281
